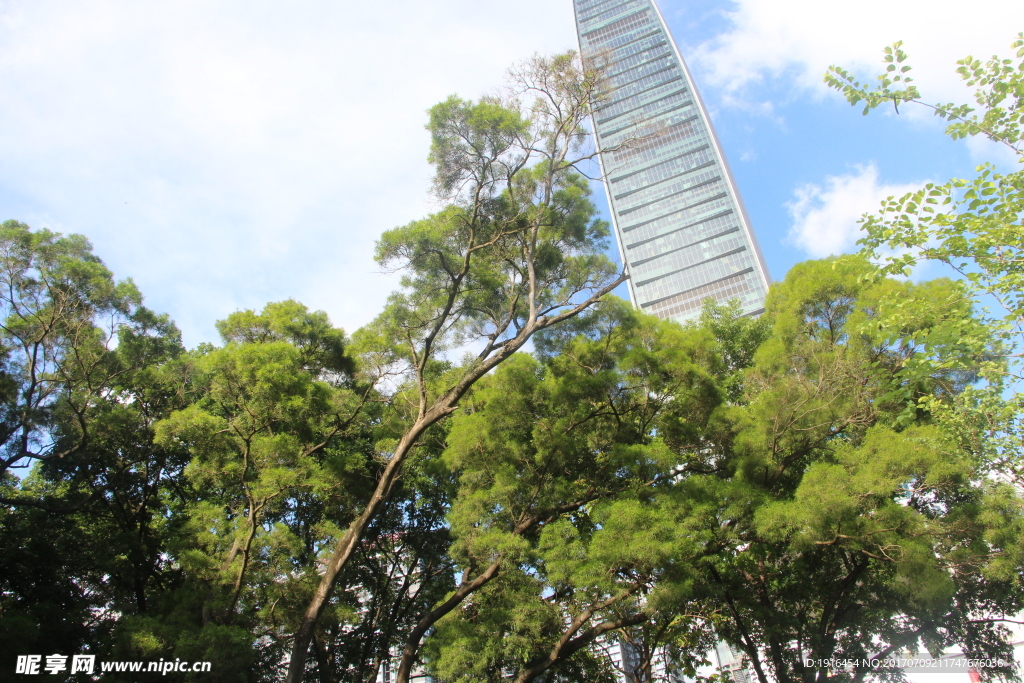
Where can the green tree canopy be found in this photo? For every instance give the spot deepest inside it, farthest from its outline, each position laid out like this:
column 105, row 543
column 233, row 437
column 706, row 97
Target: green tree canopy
column 518, row 248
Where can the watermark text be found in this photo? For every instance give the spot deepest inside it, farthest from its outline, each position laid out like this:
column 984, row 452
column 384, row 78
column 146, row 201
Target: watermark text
column 34, row 665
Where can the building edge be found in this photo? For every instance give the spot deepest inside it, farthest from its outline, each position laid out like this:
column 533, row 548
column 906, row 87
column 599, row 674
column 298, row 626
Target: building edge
column 730, row 182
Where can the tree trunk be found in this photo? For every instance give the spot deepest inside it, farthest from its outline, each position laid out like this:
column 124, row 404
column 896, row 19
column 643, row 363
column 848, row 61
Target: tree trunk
column 412, row 644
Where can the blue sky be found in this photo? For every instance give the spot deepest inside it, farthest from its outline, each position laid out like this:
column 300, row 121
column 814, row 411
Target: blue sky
column 807, row 163
column 224, row 154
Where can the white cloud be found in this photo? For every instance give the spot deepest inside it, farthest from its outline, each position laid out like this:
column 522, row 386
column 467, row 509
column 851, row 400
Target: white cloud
column 825, row 219
column 228, row 153
column 225, row 154
column 801, row 38
column 984, row 150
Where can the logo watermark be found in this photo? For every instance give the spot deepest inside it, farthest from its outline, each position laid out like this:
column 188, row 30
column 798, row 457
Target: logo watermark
column 34, row 665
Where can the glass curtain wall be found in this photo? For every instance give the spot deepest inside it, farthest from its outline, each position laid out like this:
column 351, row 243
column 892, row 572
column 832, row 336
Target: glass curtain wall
column 678, row 217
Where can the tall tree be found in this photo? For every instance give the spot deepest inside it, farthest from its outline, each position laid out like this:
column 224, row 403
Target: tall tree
column 562, row 523
column 84, row 533
column 61, row 316
column 839, row 522
column 274, row 433
column 517, row 250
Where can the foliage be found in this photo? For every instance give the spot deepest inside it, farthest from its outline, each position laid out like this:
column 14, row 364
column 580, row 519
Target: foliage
column 63, row 314
column 562, row 520
column 84, row 532
column 633, row 484
column 972, row 227
column 517, row 249
column 841, row 525
column 833, row 479
column 738, row 338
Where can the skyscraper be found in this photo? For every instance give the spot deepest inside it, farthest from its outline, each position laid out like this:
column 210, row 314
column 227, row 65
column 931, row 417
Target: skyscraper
column 679, row 220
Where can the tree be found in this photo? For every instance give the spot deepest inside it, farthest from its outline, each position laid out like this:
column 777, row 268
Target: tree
column 63, row 314
column 272, row 429
column 756, row 480
column 562, row 524
column 517, row 250
column 972, row 227
column 84, row 531
column 839, row 523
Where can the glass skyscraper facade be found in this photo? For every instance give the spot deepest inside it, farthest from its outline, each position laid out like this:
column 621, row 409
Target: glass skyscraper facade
column 679, row 220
